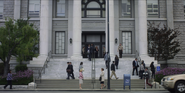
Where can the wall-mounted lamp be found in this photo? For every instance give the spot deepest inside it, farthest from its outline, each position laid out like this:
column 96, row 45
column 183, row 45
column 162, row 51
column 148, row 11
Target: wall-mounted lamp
column 70, row 40
column 116, row 40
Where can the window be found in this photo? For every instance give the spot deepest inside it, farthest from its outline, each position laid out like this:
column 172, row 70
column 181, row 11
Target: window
column 152, row 8
column 127, row 42
column 93, row 8
column 1, row 9
column 60, row 8
column 126, row 8
column 34, row 8
column 60, row 42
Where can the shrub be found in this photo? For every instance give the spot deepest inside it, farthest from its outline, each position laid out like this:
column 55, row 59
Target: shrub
column 167, row 71
column 1, row 68
column 21, row 68
column 19, row 78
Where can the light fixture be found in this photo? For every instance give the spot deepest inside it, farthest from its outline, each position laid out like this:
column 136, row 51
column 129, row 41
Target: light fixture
column 116, row 40
column 70, row 40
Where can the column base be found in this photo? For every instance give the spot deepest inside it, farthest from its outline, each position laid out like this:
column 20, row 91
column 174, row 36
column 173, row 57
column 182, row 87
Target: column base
column 147, row 60
column 112, row 56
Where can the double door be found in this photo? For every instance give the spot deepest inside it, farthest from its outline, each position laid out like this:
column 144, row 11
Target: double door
column 95, row 39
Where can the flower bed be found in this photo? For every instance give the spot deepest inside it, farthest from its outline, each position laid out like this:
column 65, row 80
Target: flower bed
column 19, row 78
column 167, row 71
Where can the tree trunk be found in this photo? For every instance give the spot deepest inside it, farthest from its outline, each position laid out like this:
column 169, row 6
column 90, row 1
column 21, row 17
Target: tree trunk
column 6, row 68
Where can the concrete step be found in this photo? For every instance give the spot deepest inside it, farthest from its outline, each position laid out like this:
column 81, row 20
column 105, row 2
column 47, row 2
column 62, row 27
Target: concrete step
column 87, row 84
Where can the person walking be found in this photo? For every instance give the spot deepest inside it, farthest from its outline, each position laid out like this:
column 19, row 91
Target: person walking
column 153, row 70
column 120, row 50
column 116, row 61
column 88, row 52
column 9, row 80
column 142, row 69
column 102, row 79
column 135, row 66
column 107, row 59
column 113, row 70
column 68, row 70
column 80, row 78
column 81, row 66
column 147, row 77
column 71, row 68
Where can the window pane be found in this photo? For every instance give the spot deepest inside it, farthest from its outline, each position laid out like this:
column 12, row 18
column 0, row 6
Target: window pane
column 1, row 9
column 152, row 8
column 34, row 7
column 93, row 4
column 126, row 8
column 60, row 42
column 126, row 42
column 93, row 13
column 60, row 7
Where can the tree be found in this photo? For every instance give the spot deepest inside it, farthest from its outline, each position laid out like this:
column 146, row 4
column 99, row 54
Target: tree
column 163, row 42
column 18, row 38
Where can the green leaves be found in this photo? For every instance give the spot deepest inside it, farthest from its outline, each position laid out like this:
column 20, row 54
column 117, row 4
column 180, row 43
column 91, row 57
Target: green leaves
column 163, row 41
column 18, row 38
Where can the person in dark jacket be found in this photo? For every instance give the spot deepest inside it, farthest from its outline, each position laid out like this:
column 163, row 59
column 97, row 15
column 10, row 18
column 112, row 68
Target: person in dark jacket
column 135, row 66
column 147, row 78
column 113, row 70
column 71, row 67
column 68, row 70
column 9, row 80
column 153, row 70
column 116, row 61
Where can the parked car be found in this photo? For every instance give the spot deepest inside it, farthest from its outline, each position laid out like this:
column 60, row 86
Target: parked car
column 174, row 83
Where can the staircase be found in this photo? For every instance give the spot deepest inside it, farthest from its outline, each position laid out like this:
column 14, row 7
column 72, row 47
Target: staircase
column 87, row 84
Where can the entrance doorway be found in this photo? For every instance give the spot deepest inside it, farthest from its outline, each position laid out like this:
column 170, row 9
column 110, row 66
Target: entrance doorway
column 95, row 38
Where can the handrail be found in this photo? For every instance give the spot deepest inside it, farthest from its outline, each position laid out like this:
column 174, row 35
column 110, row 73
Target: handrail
column 44, row 66
column 93, row 75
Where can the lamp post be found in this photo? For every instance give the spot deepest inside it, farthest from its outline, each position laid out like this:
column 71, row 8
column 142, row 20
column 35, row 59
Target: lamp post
column 108, row 72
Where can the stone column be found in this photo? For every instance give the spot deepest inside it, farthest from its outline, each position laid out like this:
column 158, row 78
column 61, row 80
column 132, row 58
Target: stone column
column 45, row 27
column 111, row 28
column 169, row 5
column 17, row 9
column 76, row 29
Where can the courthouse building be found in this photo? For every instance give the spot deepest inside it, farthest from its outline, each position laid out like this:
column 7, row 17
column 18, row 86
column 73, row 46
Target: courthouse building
column 66, row 26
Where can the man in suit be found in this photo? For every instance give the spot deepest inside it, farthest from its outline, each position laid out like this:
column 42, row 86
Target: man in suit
column 71, row 67
column 113, row 70
column 68, row 70
column 107, row 59
column 135, row 66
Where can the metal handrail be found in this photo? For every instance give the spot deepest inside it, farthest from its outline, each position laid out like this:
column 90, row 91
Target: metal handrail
column 44, row 66
column 93, row 70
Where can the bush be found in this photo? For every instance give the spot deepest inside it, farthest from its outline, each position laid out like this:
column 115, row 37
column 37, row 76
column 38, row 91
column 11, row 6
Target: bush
column 167, row 71
column 20, row 78
column 21, row 68
column 1, row 68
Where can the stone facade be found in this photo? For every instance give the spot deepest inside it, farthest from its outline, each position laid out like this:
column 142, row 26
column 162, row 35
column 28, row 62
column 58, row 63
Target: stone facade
column 99, row 24
column 8, row 10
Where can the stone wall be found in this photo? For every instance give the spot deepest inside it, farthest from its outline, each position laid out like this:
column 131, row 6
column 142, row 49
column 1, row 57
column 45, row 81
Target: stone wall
column 162, row 7
column 181, row 26
column 8, row 9
column 178, row 9
column 24, row 8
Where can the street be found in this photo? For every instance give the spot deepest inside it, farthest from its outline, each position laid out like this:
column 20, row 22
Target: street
column 84, row 92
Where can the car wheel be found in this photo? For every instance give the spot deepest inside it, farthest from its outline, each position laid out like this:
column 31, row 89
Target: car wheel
column 171, row 90
column 180, row 87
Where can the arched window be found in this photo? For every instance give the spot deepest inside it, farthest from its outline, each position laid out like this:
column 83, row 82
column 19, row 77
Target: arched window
column 93, row 8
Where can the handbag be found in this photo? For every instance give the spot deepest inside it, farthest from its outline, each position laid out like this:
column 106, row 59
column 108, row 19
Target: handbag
column 100, row 78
